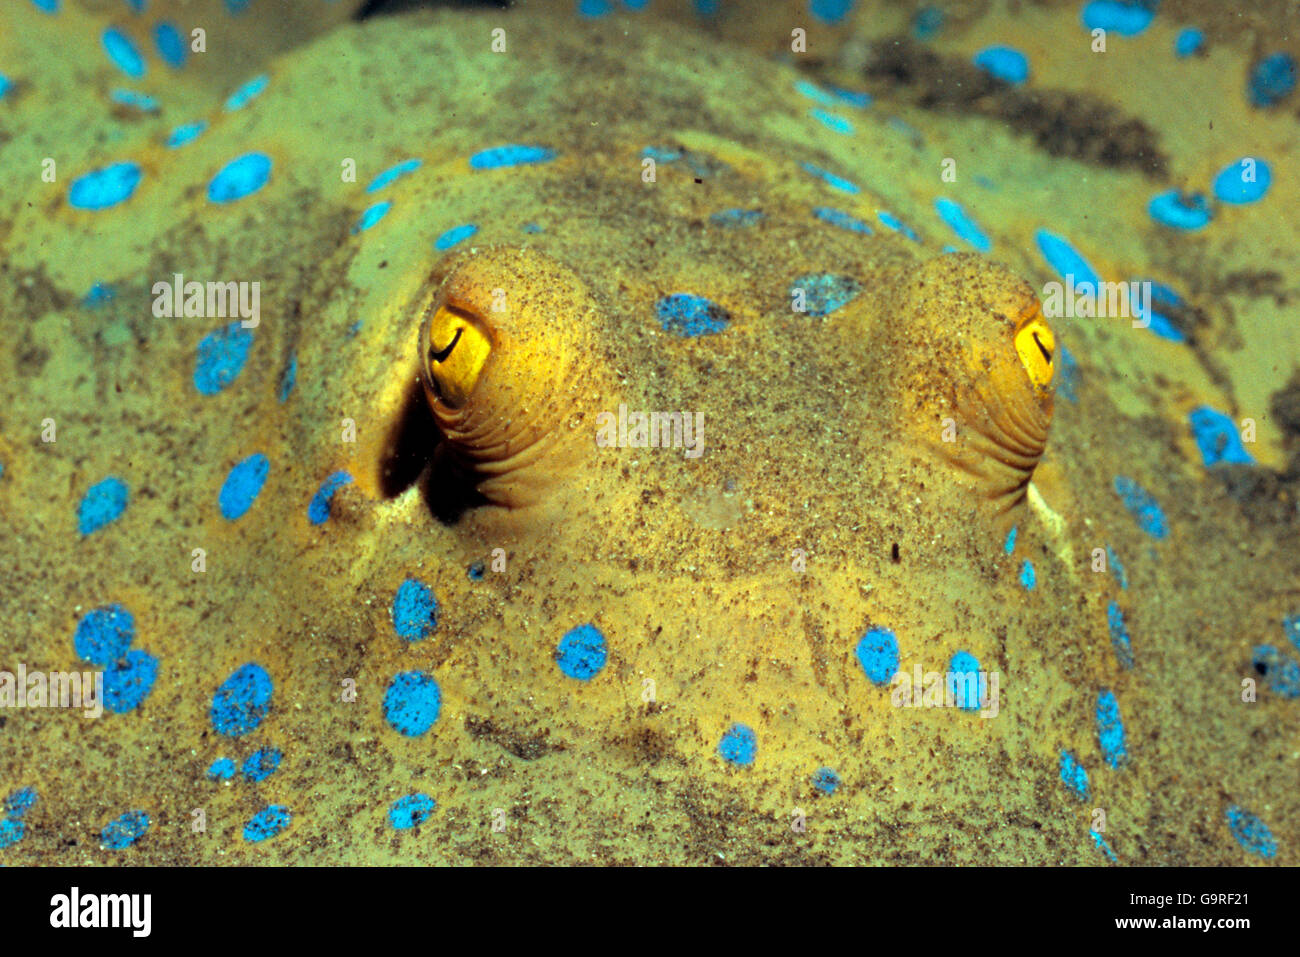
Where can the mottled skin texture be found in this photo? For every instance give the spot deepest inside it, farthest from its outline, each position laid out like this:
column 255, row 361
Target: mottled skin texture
column 819, row 437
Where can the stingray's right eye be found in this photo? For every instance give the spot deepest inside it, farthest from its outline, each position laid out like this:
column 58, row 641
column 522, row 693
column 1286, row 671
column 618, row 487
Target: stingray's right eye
column 1036, row 347
column 455, row 350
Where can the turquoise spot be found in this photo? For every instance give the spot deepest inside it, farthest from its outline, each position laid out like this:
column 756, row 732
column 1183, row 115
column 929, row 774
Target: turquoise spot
column 12, row 830
column 222, row 769
column 456, row 234
column 965, row 685
column 830, row 11
column 415, row 611
column 898, row 226
column 288, row 378
column 814, row 92
column 594, row 8
column 841, row 219
column 124, row 831
column 1272, row 79
column 1245, row 181
column 661, row 155
column 318, row 510
column 372, row 215
column 46, row 6
column 221, row 356
column 926, row 22
column 268, row 822
column 962, row 224
column 134, row 99
column 392, row 174
column 1281, row 674
column 104, row 635
column 410, row 811
column 184, row 134
column 500, row 157
column 1291, row 628
column 532, row 228
column 1180, row 211
column 706, row 8
column 128, row 682
column 247, row 93
column 1067, row 374
column 686, row 315
column 837, row 124
column 1117, row 568
column 737, row 217
column 852, row 97
column 100, row 293
column 19, row 802
column 105, row 187
column 261, row 764
column 822, row 293
column 1190, row 41
column 1163, row 299
column 243, row 485
column 170, row 44
column 1102, row 846
column 581, row 653
column 1119, row 638
column 1027, row 576
column 1004, row 63
column 1110, row 731
column 5, row 84
column 1010, row 544
column 104, row 502
column 836, row 182
column 242, row 701
column 412, row 703
column 877, row 653
column 1217, row 438
column 739, row 745
column 1142, row 506
column 1126, row 19
column 1251, row 833
column 123, row 53
column 825, row 780
column 240, row 177
column 1063, row 257
column 1073, row 776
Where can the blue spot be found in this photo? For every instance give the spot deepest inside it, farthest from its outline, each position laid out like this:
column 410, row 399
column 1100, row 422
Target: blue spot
column 412, row 703
column 1067, row 374
column 1074, row 776
column 1250, row 832
column 1128, row 19
column 104, row 502
column 46, row 6
column 240, row 177
column 636, row 4
column 1117, row 568
column 1272, row 79
column 236, row 7
column 594, row 8
column 137, row 6
column 128, row 682
column 476, row 571
column 171, row 45
column 184, row 134
column 268, row 822
column 372, row 215
column 1062, row 257
column 1010, row 545
column 134, row 99
column 706, row 8
column 739, row 745
column 1163, row 299
column 660, row 155
column 261, row 764
column 1144, row 509
column 19, row 802
column 686, row 315
column 823, row 293
column 1110, row 731
column 104, row 635
column 965, row 227
column 221, row 356
column 926, row 22
column 1291, row 628
column 318, row 511
column 852, row 97
column 1119, row 638
column 415, row 610
column 581, row 653
column 243, row 485
column 242, row 700
column 841, row 219
column 1180, row 211
column 1282, row 674
column 353, row 329
column 456, row 234
column 837, row 124
column 5, row 84
column 1189, row 42
column 222, row 769
column 124, row 831
column 100, row 293
column 737, row 217
column 123, row 53
column 1004, row 63
column 1233, row 186
column 1217, row 438
column 825, row 780
column 288, row 378
column 814, row 92
column 247, row 93
column 532, row 228
column 836, row 182
column 1103, row 846
column 12, row 830
column 965, row 685
column 499, row 157
column 877, row 653
column 410, row 811
column 898, row 226
column 105, row 187
column 830, row 11
column 1027, row 576
column 393, row 173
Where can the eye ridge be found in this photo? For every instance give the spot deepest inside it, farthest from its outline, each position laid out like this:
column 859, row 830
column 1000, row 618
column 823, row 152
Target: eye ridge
column 444, row 353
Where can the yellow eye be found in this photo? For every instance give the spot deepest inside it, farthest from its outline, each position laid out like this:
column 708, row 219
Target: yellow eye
column 455, row 350
column 1036, row 347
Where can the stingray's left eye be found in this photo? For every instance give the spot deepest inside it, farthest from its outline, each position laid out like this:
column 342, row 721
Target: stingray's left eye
column 1036, row 347
column 455, row 350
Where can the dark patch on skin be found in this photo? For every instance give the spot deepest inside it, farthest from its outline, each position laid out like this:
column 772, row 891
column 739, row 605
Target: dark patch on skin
column 1067, row 123
column 521, row 746
column 1285, row 406
column 1266, row 496
column 1257, row 283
